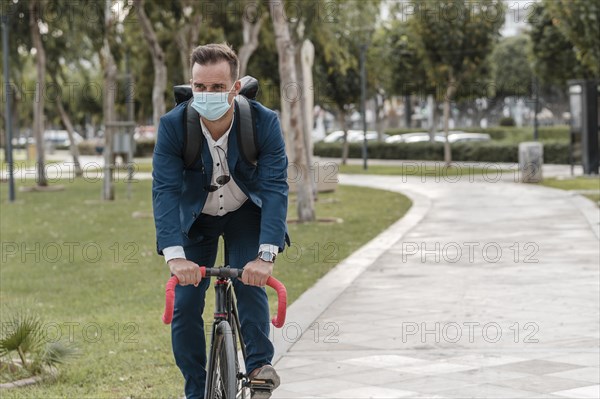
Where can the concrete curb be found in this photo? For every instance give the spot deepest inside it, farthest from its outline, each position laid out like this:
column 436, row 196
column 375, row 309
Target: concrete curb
column 587, row 207
column 314, row 301
column 589, row 210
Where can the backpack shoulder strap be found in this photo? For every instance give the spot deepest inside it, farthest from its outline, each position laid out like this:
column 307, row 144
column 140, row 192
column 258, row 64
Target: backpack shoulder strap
column 246, row 130
column 192, row 144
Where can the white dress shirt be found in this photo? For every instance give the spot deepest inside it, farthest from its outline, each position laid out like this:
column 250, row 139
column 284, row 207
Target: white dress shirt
column 227, row 198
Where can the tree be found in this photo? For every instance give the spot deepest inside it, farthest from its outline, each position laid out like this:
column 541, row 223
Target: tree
column 338, row 71
column 579, row 22
column 554, row 57
column 342, row 94
column 252, row 21
column 110, row 78
column 455, row 36
column 69, row 40
column 158, row 60
column 19, row 67
column 511, row 68
column 403, row 73
column 35, row 6
column 288, row 76
column 338, row 39
column 190, row 19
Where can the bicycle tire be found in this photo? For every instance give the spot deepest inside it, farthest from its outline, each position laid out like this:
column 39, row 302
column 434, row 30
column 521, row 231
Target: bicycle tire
column 221, row 382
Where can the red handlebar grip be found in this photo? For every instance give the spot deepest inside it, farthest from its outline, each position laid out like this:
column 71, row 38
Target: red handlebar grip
column 170, row 296
column 279, row 320
column 169, row 299
column 272, row 282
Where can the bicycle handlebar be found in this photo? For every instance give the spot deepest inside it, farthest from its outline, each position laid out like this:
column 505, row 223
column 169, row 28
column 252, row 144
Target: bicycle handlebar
column 226, row 272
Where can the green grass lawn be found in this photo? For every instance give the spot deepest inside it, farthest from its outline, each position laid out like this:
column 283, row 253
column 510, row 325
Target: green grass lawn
column 90, row 270
column 577, row 183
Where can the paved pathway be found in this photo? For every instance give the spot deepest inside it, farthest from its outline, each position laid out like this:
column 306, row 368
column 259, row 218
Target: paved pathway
column 484, row 290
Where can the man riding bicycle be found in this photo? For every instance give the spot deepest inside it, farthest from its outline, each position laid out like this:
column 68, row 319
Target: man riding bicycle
column 221, row 194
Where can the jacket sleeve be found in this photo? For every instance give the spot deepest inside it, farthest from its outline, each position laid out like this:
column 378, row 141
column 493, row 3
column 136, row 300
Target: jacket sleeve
column 167, row 174
column 272, row 174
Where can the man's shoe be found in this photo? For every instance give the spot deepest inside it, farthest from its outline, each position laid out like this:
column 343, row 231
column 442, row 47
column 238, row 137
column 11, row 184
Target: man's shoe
column 263, row 381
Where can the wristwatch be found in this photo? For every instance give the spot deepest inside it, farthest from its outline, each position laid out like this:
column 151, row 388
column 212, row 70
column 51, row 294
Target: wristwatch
column 267, row 256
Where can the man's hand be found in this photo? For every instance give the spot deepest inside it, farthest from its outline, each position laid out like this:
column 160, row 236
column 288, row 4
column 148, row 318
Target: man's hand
column 186, row 271
column 257, row 272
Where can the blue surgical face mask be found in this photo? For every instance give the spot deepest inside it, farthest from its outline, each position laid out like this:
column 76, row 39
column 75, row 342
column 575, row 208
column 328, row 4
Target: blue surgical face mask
column 211, row 105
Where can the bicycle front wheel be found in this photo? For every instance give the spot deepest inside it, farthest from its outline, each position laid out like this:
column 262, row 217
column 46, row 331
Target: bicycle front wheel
column 221, row 381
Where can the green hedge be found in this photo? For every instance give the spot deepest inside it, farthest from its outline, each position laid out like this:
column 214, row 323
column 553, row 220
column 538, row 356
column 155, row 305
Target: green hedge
column 87, row 147
column 520, row 134
column 554, row 152
column 143, row 149
column 402, row 130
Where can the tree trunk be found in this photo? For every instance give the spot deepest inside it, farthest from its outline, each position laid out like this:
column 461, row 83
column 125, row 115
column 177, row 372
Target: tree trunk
column 305, row 56
column 450, row 90
column 407, row 111
column 108, row 99
column 158, row 61
column 185, row 39
column 250, row 32
column 289, row 77
column 379, row 105
column 64, row 116
column 73, row 146
column 432, row 103
column 38, row 102
column 447, row 151
column 345, row 144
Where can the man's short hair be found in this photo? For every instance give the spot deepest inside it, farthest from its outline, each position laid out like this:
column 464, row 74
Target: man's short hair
column 214, row 53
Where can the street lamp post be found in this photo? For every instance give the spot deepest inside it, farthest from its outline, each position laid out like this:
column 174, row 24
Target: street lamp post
column 8, row 112
column 536, row 106
column 363, row 100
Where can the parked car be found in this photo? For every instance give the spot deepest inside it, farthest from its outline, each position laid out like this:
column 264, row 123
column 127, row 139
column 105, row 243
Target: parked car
column 144, row 133
column 453, row 137
column 354, row 136
column 461, row 137
column 60, row 138
column 419, row 137
column 21, row 142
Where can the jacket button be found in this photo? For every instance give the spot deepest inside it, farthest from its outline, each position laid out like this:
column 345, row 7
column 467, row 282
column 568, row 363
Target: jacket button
column 194, row 214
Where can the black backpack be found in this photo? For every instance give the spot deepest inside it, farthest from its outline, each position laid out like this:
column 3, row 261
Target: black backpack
column 246, row 133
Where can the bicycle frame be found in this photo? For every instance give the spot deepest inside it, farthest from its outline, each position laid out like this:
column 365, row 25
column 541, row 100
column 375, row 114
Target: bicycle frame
column 226, row 310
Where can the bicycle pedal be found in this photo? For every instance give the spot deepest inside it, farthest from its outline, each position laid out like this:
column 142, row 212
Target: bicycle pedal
column 260, row 383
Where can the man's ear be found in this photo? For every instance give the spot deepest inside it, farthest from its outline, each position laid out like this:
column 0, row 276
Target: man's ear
column 238, row 86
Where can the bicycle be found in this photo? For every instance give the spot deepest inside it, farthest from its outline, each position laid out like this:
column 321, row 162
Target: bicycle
column 225, row 380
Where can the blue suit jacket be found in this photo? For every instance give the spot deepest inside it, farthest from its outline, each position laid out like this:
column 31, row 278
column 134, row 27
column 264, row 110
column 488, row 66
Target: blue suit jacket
column 178, row 195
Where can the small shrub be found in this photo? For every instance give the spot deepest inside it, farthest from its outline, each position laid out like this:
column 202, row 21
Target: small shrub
column 24, row 350
column 507, row 121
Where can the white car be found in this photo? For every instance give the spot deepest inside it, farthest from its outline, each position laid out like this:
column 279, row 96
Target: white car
column 354, row 136
column 419, row 137
column 453, row 137
column 461, row 137
column 60, row 138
